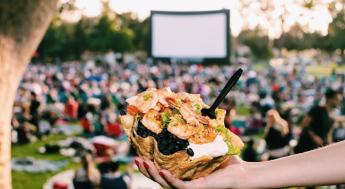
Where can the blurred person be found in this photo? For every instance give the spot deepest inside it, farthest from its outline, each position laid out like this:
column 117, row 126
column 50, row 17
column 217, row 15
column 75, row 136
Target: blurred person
column 317, row 124
column 276, row 135
column 87, row 177
column 106, row 102
column 104, row 159
column 113, row 127
column 254, row 121
column 98, row 127
column 230, row 106
column 266, row 102
column 14, row 127
column 44, row 124
column 110, row 120
column 71, row 108
column 249, row 153
column 86, row 123
column 26, row 132
column 113, row 178
column 34, row 108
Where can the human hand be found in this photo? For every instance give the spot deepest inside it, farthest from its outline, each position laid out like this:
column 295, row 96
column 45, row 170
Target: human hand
column 231, row 174
column 273, row 115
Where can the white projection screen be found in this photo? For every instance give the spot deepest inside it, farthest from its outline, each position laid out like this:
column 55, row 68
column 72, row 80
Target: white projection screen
column 190, row 35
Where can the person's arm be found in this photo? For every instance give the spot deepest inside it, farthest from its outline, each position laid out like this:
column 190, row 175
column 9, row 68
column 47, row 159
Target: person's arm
column 318, row 167
column 128, row 180
column 284, row 126
column 94, row 175
column 306, row 122
column 317, row 140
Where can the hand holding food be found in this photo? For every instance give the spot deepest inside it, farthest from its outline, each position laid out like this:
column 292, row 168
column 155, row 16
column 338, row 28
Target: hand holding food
column 169, row 129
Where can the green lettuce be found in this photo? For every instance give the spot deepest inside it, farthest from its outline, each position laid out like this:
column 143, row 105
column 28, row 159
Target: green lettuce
column 232, row 150
column 165, row 116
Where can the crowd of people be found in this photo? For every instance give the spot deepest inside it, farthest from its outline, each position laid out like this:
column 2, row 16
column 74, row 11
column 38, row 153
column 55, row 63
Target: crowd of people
column 290, row 110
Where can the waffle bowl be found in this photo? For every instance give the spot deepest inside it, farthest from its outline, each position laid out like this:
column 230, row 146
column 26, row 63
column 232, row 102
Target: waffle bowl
column 179, row 163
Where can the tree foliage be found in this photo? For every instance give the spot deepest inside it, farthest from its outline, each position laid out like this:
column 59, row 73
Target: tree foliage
column 259, row 44
column 70, row 40
column 336, row 32
column 297, row 39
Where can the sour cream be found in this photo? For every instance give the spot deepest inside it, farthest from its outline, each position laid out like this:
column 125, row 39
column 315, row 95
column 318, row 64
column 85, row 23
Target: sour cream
column 214, row 149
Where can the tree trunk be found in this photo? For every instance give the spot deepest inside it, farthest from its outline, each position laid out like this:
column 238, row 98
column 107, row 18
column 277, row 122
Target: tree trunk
column 23, row 24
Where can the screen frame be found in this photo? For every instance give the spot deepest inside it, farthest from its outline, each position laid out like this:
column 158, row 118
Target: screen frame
column 225, row 59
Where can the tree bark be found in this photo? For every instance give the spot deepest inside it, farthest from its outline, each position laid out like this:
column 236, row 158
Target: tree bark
column 23, row 24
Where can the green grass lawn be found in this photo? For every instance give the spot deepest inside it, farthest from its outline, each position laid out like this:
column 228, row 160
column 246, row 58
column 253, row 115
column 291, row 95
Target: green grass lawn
column 25, row 180
column 242, row 110
column 325, row 70
column 315, row 70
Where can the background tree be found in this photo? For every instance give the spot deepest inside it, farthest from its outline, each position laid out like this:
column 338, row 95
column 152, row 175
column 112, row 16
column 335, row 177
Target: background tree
column 336, row 32
column 258, row 43
column 23, row 24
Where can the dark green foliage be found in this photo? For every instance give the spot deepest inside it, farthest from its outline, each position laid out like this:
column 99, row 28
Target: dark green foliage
column 258, row 44
column 69, row 41
column 336, row 32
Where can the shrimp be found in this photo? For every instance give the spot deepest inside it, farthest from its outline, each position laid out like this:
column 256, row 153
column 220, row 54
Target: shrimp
column 191, row 98
column 203, row 119
column 185, row 110
column 163, row 94
column 188, row 114
column 204, row 134
column 144, row 101
column 152, row 121
column 180, row 128
column 171, row 101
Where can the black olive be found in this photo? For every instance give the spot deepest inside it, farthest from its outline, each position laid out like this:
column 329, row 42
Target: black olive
column 169, row 143
column 190, row 152
column 122, row 112
column 143, row 131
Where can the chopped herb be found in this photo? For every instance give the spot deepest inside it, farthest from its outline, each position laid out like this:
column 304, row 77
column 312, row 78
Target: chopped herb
column 147, row 96
column 165, row 116
column 197, row 108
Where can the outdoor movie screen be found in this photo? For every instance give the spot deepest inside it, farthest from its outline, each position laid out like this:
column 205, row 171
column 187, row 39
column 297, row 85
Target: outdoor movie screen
column 190, row 35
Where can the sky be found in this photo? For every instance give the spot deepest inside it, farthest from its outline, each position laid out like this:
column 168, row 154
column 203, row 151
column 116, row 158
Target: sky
column 249, row 16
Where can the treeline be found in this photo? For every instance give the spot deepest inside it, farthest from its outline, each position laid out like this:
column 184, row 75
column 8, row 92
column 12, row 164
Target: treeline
column 118, row 33
column 297, row 39
column 126, row 33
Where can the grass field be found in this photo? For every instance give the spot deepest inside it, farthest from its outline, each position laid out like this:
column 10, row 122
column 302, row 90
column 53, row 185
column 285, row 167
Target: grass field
column 25, row 180
column 325, row 70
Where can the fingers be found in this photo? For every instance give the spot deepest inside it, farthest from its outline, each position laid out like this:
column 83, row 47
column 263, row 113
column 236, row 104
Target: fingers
column 154, row 173
column 150, row 171
column 165, row 178
column 171, row 180
column 140, row 164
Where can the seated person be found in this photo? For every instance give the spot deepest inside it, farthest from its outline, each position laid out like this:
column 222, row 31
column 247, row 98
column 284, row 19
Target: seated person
column 88, row 176
column 249, row 153
column 113, row 178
